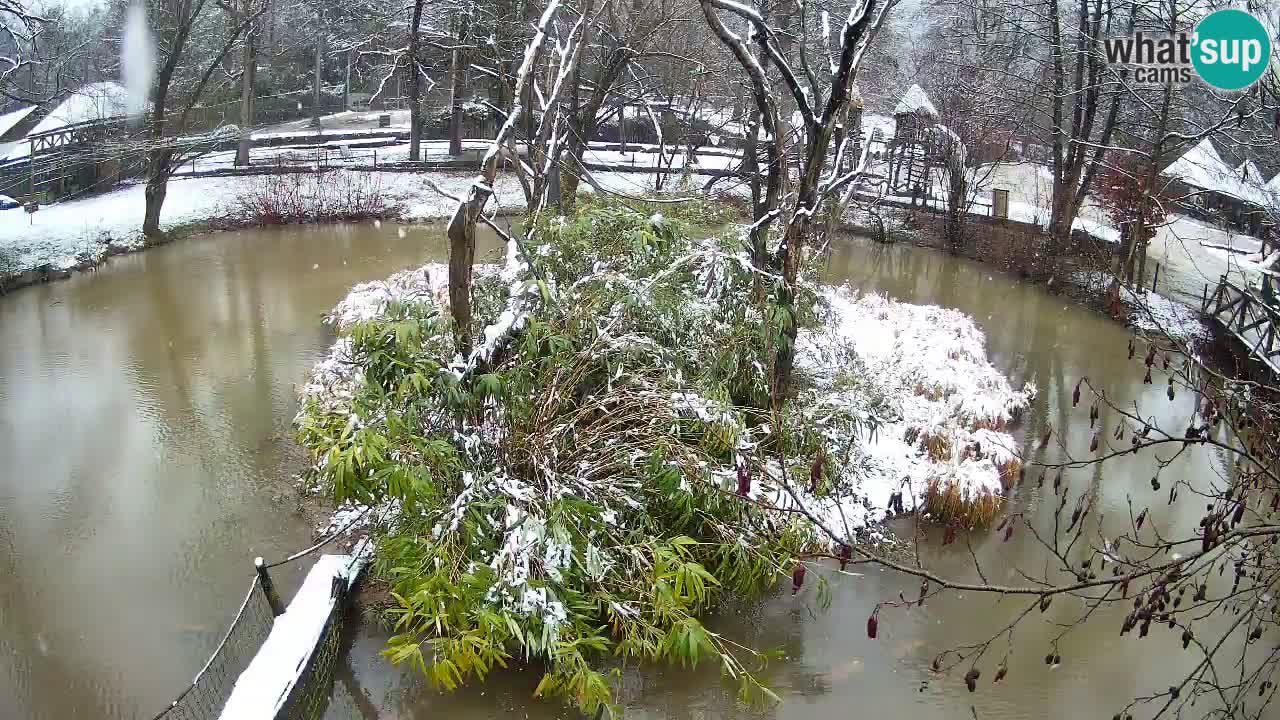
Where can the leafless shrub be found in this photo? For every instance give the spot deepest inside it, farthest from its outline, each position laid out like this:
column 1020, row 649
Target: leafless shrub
column 337, row 196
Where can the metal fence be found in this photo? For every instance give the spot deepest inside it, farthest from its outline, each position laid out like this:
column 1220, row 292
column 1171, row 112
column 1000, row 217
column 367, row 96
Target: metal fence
column 204, row 698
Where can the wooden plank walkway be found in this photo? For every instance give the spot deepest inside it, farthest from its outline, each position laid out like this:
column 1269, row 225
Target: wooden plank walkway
column 1252, row 317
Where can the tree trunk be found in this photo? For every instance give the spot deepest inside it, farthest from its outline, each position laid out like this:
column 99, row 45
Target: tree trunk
column 415, row 86
column 462, row 250
column 569, row 181
column 156, row 189
column 315, row 101
column 457, row 88
column 249, row 68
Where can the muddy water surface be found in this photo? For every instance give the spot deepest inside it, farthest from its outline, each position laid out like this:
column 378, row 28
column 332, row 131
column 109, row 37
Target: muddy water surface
column 145, row 452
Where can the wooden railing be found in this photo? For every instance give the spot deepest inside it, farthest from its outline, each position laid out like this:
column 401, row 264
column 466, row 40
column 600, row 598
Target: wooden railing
column 1253, row 318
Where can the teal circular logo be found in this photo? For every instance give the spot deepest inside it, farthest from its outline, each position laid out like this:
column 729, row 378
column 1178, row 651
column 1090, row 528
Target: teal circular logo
column 1231, row 49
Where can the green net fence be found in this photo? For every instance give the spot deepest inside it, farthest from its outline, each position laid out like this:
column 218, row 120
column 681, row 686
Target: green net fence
column 204, row 698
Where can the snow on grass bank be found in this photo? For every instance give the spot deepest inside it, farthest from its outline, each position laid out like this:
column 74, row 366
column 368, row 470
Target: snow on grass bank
column 82, row 232
column 1148, row 312
column 942, row 442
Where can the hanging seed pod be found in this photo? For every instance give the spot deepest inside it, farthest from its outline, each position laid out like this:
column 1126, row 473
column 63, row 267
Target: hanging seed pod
column 1093, row 443
column 1144, row 628
column 1170, row 392
column 744, row 480
column 949, row 535
column 1057, row 482
column 1075, row 518
column 1255, row 634
column 797, row 578
column 1155, row 483
column 815, row 472
column 1057, row 659
column 1008, row 532
column 1238, row 515
column 1201, row 592
column 1093, row 414
column 1146, row 379
column 1040, row 480
column 846, row 554
column 1275, row 502
column 936, row 665
column 1132, row 348
column 1124, row 587
column 1075, row 394
column 924, row 590
column 1186, row 638
column 1129, row 621
column 1045, row 600
column 1044, row 439
column 1003, row 521
column 1048, row 659
column 1001, row 671
column 1174, row 691
column 1142, row 517
column 873, row 623
column 971, row 679
column 1166, row 362
column 1151, row 356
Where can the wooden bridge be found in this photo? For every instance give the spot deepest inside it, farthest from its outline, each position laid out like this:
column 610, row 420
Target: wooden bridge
column 1252, row 316
column 79, row 134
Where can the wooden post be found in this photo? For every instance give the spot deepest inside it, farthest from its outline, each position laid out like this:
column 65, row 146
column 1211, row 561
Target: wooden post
column 268, row 587
column 31, row 167
column 1155, row 278
column 1000, row 204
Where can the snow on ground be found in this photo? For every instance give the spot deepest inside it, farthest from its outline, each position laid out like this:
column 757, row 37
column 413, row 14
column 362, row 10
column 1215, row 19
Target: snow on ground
column 68, row 234
column 1149, row 312
column 1030, row 187
column 949, row 405
column 264, row 686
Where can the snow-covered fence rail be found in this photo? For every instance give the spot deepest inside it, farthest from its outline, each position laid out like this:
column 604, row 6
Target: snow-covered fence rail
column 277, row 663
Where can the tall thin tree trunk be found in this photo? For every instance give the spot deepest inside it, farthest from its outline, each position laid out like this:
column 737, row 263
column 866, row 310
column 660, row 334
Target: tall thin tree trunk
column 415, row 85
column 457, row 88
column 249, row 68
column 315, row 101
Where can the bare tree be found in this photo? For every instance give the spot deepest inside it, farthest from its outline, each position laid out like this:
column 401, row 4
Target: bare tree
column 818, row 104
column 180, row 81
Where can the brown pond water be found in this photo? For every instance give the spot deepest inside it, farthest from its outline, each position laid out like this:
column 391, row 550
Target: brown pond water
column 145, row 459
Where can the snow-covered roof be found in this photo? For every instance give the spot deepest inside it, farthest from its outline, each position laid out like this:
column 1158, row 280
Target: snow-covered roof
column 96, row 101
column 9, row 119
column 1250, row 173
column 915, row 100
column 1202, row 167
